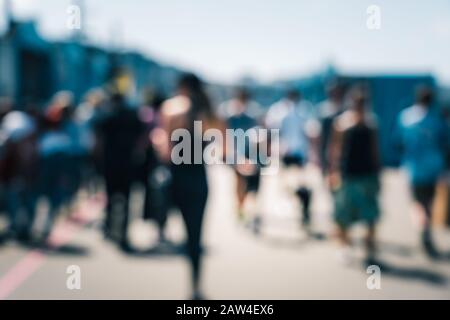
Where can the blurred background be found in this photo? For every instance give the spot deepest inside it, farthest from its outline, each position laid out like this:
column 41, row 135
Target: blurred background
column 66, row 67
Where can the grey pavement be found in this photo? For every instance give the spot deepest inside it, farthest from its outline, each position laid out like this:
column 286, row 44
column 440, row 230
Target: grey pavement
column 280, row 263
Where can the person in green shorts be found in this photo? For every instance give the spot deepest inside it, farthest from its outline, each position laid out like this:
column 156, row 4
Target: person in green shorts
column 354, row 172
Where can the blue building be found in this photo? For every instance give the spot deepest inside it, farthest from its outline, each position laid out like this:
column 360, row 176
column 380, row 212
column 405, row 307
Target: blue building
column 33, row 69
column 389, row 94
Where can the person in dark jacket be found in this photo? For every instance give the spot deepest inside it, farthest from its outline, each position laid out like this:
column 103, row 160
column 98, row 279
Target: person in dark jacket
column 18, row 172
column 118, row 135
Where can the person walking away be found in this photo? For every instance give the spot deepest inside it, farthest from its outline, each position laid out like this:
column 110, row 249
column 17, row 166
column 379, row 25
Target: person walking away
column 18, row 172
column 241, row 113
column 189, row 189
column 56, row 182
column 118, row 135
column 153, row 173
column 291, row 116
column 422, row 139
column 328, row 111
column 354, row 174
column 85, row 118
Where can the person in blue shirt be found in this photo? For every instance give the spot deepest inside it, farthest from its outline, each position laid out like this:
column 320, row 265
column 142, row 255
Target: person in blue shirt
column 422, row 138
column 242, row 113
column 292, row 116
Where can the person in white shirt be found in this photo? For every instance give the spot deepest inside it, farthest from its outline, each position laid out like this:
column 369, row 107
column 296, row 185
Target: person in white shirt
column 292, row 116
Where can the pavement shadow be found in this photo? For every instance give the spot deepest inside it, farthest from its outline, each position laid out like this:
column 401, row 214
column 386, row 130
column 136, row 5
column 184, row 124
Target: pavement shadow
column 280, row 242
column 159, row 251
column 293, row 243
column 413, row 273
column 65, row 250
column 396, row 249
column 165, row 250
column 445, row 257
column 402, row 250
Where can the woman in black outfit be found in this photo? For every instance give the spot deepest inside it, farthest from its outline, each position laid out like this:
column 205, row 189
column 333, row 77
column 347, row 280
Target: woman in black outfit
column 189, row 187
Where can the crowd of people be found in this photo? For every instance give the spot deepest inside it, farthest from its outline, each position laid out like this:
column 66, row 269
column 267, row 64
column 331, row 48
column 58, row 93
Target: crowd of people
column 107, row 144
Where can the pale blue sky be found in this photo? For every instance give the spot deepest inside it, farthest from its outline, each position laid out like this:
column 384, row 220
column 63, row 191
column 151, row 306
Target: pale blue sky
column 270, row 39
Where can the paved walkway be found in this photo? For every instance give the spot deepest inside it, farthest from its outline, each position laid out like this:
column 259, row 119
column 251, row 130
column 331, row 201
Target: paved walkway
column 281, row 263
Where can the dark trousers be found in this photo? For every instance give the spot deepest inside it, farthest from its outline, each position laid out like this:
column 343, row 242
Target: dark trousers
column 189, row 194
column 424, row 195
column 118, row 188
column 157, row 196
column 303, row 193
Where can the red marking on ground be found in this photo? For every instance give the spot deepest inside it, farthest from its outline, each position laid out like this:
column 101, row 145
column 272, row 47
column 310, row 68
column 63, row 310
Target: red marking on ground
column 20, row 273
column 34, row 259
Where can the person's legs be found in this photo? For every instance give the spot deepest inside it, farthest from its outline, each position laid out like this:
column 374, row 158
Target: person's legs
column 54, row 205
column 193, row 217
column 343, row 237
column 63, row 168
column 125, row 190
column 148, row 198
column 110, row 192
column 192, row 201
column 252, row 188
column 163, row 212
column 304, row 195
column 424, row 196
column 344, row 252
column 370, row 244
column 343, row 210
column 241, row 191
column 20, row 209
column 157, row 198
column 56, row 196
column 369, row 211
column 13, row 206
column 31, row 198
